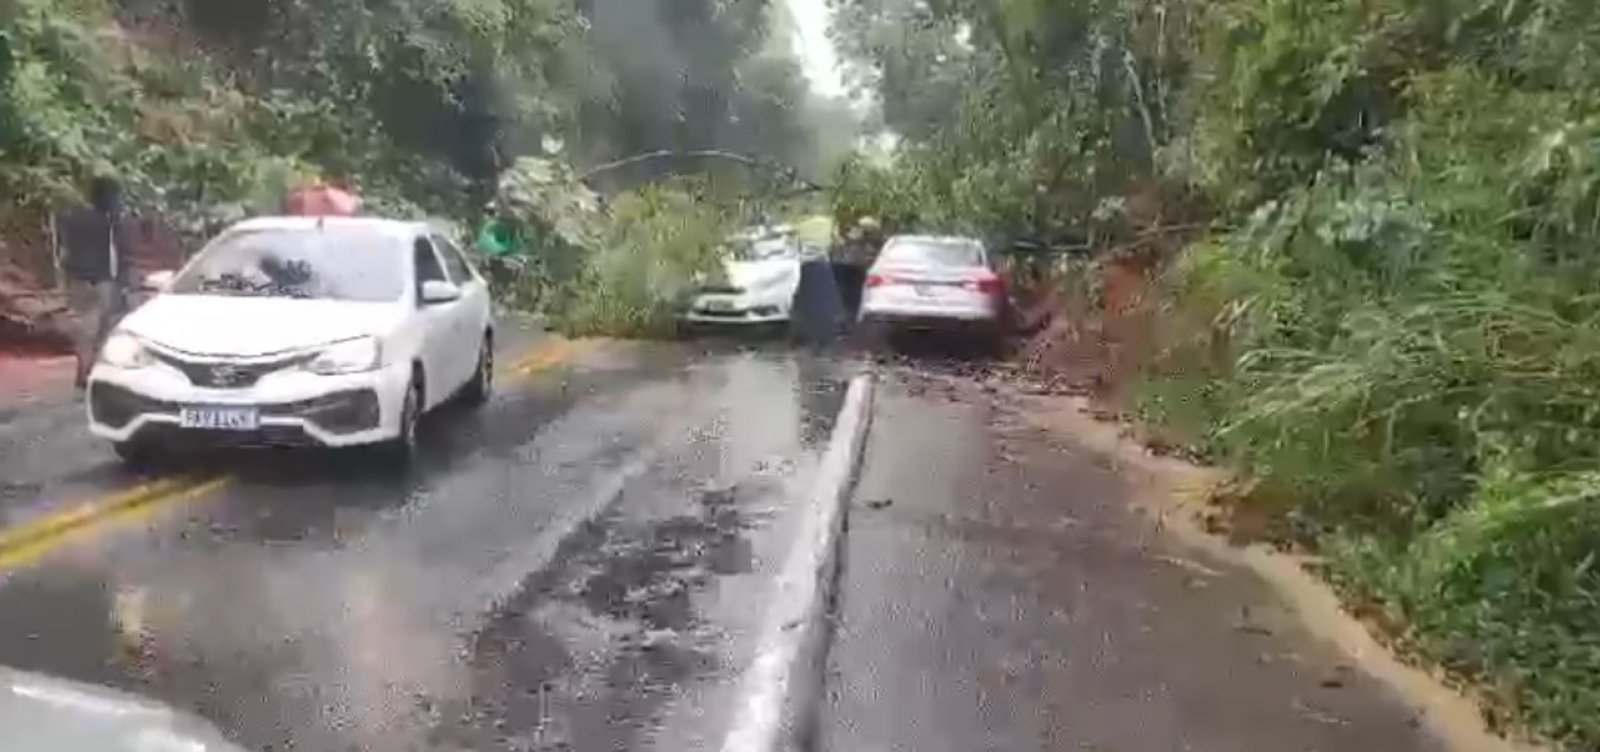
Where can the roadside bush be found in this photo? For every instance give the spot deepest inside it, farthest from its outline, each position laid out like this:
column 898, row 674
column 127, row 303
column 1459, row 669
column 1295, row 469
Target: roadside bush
column 1504, row 592
column 1408, row 351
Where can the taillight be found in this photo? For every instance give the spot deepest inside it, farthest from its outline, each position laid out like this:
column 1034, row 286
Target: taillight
column 987, row 284
column 876, row 280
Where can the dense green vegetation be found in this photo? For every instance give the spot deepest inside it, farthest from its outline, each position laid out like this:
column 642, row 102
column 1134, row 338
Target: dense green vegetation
column 209, row 110
column 1392, row 328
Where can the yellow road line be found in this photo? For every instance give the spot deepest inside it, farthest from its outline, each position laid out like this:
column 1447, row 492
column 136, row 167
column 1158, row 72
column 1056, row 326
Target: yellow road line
column 19, row 550
column 80, row 514
column 548, row 354
column 26, row 542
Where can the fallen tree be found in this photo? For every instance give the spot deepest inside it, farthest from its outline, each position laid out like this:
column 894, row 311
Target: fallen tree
column 619, row 268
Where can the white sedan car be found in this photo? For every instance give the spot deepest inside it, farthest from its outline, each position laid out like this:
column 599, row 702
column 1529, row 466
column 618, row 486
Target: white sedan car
column 297, row 331
column 935, row 282
column 762, row 274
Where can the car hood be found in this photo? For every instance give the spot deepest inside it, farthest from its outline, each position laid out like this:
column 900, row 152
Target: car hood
column 245, row 326
column 43, row 714
column 748, row 275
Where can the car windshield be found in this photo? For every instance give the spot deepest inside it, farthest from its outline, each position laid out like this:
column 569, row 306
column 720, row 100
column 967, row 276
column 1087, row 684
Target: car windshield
column 326, row 264
column 931, row 252
column 764, row 249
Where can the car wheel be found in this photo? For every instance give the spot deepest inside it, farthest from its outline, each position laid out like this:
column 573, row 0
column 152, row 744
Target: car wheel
column 481, row 384
column 873, row 335
column 400, row 449
column 135, row 455
column 996, row 345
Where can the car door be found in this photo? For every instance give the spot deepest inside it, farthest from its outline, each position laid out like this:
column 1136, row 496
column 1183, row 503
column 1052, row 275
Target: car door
column 475, row 304
column 440, row 325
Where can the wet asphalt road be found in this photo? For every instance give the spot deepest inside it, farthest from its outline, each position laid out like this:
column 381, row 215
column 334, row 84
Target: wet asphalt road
column 1000, row 591
column 579, row 566
column 584, row 565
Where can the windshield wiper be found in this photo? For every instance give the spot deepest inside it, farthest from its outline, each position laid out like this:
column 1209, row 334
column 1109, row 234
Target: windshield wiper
column 232, row 289
column 241, row 288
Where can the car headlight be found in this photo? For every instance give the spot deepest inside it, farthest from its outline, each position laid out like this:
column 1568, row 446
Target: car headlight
column 351, row 356
column 123, row 350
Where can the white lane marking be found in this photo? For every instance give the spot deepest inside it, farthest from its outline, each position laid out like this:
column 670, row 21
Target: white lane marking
column 791, row 637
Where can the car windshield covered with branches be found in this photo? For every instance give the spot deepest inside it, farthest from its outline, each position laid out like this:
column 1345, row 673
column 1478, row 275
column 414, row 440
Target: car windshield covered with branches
column 338, row 264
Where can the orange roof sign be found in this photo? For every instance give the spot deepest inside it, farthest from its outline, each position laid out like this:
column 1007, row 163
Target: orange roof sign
column 321, row 200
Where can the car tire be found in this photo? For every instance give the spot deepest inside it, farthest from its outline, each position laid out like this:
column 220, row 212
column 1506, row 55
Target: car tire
column 873, row 335
column 135, row 455
column 996, row 343
column 481, row 385
column 400, row 450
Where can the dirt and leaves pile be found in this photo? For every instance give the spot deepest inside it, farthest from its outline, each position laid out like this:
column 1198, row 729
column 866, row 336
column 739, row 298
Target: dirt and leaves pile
column 1392, row 328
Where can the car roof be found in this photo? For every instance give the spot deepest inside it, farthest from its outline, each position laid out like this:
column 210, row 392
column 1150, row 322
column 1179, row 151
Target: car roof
column 394, row 227
column 774, row 232
column 934, row 239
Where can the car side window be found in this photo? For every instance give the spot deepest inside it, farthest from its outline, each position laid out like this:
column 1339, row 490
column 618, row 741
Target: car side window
column 460, row 272
column 427, row 263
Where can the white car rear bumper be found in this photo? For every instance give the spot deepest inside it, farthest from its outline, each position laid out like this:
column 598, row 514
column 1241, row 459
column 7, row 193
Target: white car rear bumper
column 295, row 407
column 879, row 308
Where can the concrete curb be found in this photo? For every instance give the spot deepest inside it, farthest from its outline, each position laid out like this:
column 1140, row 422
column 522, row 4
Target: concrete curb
column 772, row 706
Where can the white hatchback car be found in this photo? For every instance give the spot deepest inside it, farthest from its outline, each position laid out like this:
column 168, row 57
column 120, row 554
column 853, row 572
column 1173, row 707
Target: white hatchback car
column 935, row 282
column 297, row 331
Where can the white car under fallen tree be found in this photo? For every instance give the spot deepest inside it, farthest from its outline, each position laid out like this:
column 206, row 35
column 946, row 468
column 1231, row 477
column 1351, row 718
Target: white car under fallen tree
column 761, row 275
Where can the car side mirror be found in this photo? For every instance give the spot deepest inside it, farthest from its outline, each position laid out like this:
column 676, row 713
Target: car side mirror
column 157, row 281
column 435, row 291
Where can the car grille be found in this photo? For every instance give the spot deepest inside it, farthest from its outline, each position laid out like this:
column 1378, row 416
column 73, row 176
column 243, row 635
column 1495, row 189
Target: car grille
column 171, row 436
column 341, row 412
column 721, row 290
column 228, row 374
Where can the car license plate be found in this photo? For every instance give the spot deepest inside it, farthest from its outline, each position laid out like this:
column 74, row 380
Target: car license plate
column 221, row 418
column 719, row 305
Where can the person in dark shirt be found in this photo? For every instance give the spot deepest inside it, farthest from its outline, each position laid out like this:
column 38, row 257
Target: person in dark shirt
column 95, row 259
column 852, row 257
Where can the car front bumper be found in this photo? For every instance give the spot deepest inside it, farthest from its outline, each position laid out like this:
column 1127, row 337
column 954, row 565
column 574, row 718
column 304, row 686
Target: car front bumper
column 740, row 309
column 296, row 408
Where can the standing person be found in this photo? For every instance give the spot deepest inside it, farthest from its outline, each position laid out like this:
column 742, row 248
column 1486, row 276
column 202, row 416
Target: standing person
column 855, row 255
column 96, row 262
column 501, row 243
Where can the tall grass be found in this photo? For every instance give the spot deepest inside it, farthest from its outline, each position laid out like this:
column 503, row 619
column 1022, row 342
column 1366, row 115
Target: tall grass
column 1409, row 354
